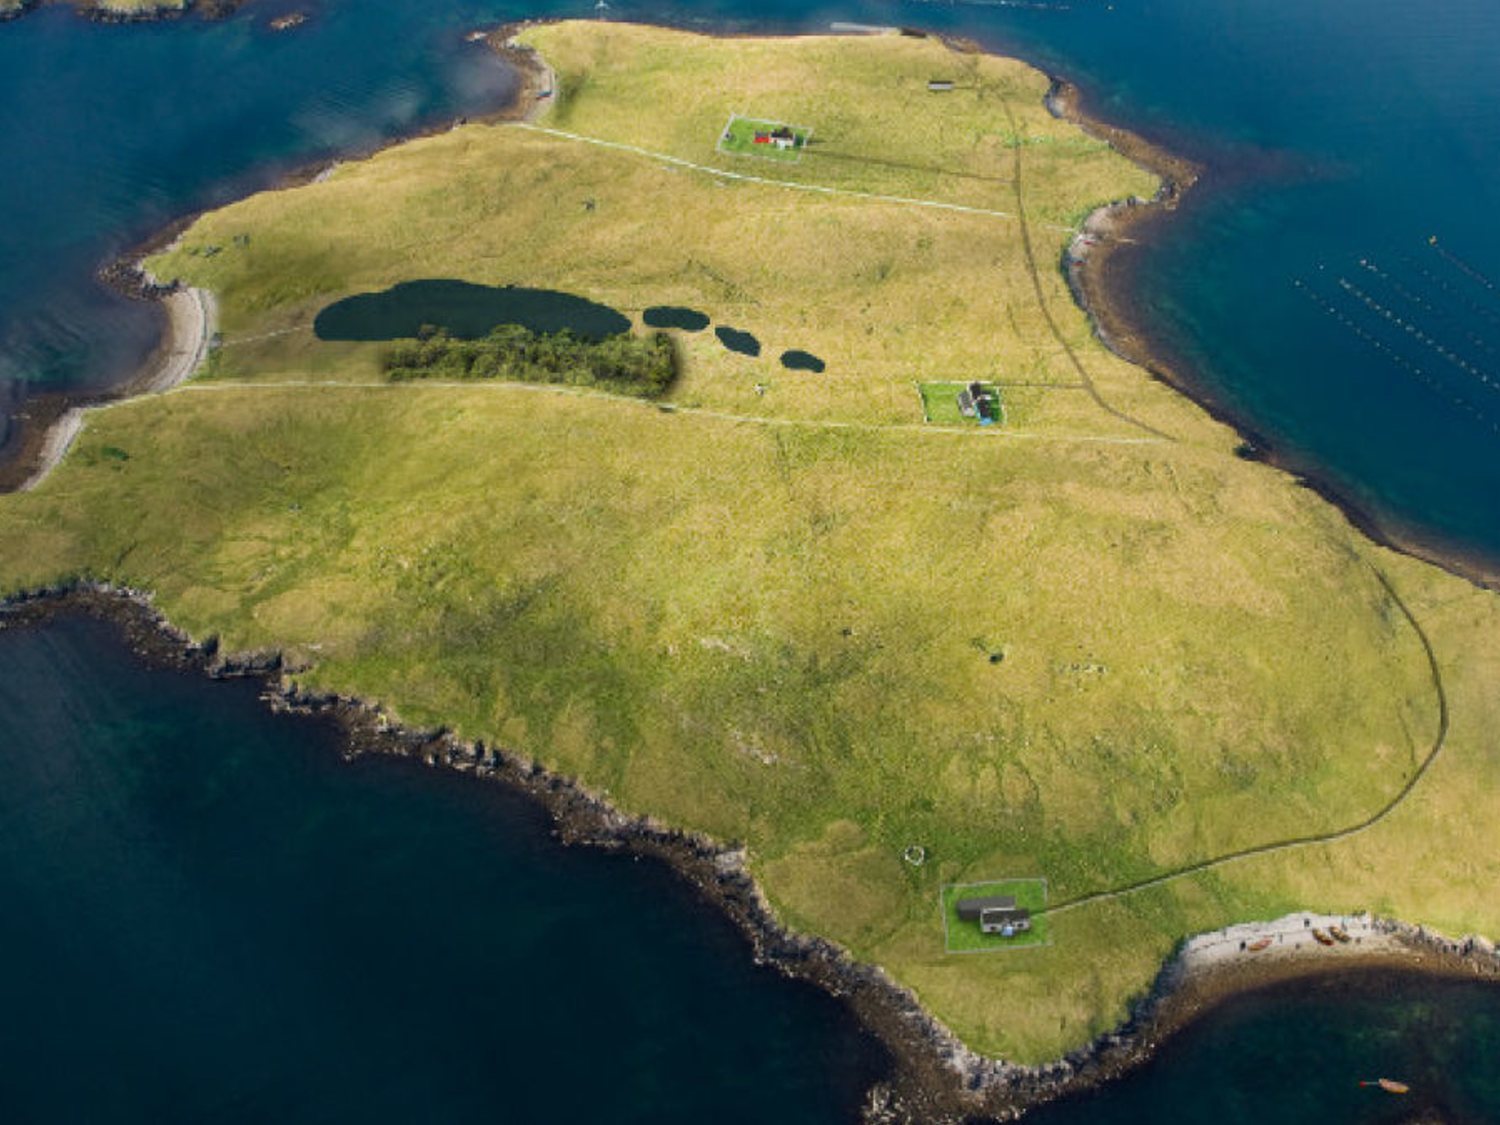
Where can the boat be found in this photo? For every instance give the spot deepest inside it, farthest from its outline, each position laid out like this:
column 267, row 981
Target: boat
column 1321, row 938
column 1389, row 1085
column 1339, row 934
column 1259, row 944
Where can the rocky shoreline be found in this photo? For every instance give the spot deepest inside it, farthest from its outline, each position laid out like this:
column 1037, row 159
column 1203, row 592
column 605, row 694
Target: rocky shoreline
column 38, row 421
column 933, row 1077
column 1092, row 264
column 206, row 9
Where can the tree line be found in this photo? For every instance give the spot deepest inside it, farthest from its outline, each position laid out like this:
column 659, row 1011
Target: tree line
column 627, row 364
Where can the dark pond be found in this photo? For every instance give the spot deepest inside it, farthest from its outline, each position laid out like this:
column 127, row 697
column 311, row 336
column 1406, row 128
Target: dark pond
column 736, row 341
column 798, row 360
column 466, row 310
column 675, row 316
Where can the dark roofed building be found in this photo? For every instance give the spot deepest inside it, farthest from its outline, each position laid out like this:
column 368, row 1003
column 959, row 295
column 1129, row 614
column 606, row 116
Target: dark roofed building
column 996, row 914
column 969, row 909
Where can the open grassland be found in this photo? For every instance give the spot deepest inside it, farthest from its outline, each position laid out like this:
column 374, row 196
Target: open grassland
column 775, row 618
column 884, row 293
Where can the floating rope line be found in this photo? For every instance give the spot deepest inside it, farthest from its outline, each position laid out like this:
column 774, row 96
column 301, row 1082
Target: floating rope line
column 1417, row 334
column 1423, row 302
column 1459, row 264
column 1482, row 313
column 1424, row 377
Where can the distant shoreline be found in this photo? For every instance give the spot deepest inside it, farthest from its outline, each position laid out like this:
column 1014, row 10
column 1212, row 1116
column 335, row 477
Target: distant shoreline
column 204, row 9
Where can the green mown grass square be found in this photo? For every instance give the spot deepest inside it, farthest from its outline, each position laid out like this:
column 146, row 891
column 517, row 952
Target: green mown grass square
column 940, row 403
column 739, row 137
column 965, row 937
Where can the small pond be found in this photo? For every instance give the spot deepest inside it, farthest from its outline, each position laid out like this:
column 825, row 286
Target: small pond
column 798, row 360
column 737, row 341
column 675, row 316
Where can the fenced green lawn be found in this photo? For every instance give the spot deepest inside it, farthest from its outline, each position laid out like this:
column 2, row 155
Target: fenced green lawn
column 966, row 937
column 739, row 137
column 940, row 403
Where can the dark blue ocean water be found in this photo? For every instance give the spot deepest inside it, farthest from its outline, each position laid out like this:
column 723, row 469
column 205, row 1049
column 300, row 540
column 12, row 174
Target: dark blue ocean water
column 207, row 917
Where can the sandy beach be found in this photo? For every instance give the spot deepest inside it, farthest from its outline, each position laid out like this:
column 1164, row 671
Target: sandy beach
column 192, row 320
column 54, row 423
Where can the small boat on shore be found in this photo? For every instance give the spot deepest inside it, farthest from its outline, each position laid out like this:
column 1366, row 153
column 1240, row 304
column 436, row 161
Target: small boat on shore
column 1339, row 934
column 1257, row 945
column 1389, row 1085
column 1321, row 938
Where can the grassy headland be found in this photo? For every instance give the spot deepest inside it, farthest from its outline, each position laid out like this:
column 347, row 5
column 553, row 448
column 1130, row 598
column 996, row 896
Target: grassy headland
column 1086, row 645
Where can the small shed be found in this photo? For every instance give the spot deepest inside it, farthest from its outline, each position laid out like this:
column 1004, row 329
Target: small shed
column 974, row 401
column 940, row 85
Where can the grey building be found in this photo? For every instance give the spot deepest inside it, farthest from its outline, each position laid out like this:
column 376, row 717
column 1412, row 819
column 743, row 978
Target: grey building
column 996, row 914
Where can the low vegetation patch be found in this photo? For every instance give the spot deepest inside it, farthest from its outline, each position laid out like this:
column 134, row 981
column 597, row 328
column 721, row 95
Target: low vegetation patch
column 626, row 364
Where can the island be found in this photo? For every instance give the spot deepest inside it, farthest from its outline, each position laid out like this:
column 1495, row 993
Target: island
column 720, row 453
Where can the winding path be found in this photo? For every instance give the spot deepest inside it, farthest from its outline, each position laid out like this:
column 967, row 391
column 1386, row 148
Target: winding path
column 1317, row 838
column 791, row 185
column 1041, row 300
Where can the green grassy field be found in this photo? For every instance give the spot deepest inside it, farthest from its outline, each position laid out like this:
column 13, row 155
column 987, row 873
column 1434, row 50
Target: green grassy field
column 966, row 937
column 739, row 136
column 771, row 617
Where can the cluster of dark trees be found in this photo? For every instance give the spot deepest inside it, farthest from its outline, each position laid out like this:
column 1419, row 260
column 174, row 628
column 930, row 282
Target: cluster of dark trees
column 626, row 364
